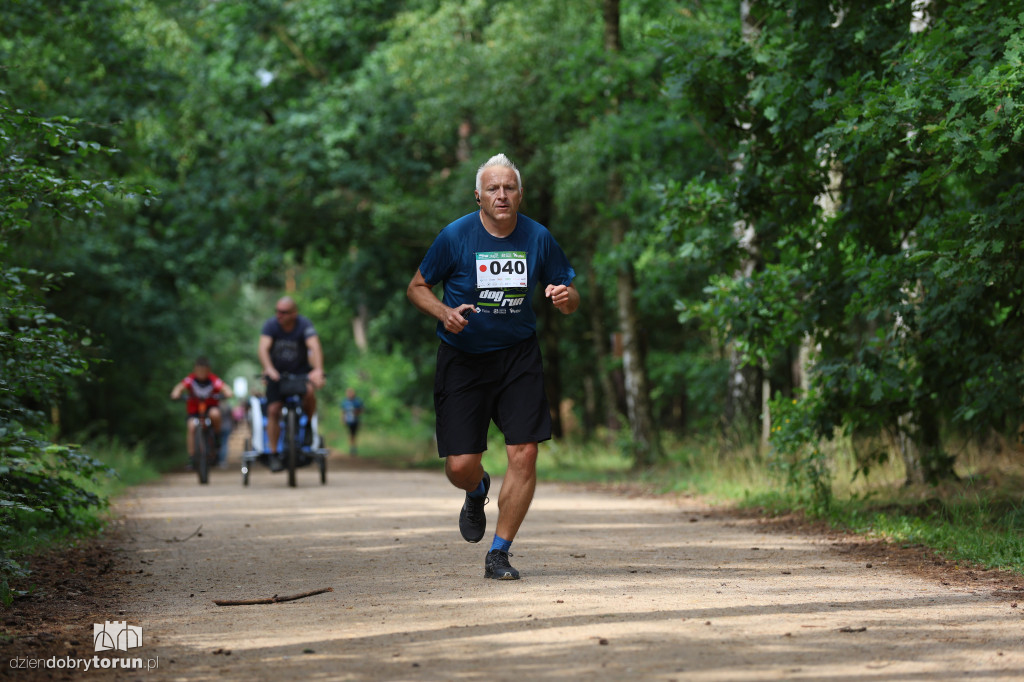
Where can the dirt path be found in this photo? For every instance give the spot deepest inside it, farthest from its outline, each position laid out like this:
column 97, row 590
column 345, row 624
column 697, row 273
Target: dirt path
column 614, row 587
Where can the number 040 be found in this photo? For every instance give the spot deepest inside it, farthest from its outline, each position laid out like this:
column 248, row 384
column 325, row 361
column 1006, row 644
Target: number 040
column 510, row 267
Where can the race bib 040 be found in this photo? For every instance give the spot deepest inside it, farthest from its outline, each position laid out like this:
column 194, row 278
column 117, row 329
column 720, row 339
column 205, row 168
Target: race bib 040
column 501, row 270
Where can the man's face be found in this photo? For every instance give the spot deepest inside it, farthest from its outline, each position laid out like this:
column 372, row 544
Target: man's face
column 285, row 314
column 499, row 193
column 201, row 372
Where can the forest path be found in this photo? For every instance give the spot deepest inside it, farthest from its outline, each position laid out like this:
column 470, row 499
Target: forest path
column 614, row 587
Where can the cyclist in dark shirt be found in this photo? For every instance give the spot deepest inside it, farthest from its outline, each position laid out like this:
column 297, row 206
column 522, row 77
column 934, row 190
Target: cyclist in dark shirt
column 289, row 345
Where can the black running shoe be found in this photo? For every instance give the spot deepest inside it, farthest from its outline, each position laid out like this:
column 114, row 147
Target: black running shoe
column 496, row 566
column 275, row 461
column 472, row 520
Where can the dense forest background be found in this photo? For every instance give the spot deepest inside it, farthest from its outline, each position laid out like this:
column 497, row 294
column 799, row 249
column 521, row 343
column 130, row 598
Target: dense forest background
column 790, row 220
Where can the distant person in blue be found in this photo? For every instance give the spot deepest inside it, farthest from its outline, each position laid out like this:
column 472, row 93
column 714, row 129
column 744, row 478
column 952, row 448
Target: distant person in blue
column 489, row 362
column 351, row 411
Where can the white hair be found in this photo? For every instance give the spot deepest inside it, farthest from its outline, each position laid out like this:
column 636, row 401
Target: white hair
column 497, row 160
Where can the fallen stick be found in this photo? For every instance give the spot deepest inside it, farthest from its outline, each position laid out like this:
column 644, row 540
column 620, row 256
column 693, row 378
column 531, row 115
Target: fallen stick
column 194, row 533
column 175, row 538
column 269, row 600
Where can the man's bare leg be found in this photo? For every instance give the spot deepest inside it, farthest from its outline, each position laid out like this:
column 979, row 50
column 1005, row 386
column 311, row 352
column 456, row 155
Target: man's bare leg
column 190, row 438
column 464, row 471
column 513, row 502
column 309, row 402
column 214, row 414
column 517, row 489
column 273, row 426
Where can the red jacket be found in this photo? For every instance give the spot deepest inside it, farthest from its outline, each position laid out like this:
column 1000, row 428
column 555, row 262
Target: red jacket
column 199, row 391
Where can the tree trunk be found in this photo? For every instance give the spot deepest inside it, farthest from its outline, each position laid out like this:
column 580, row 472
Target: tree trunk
column 646, row 441
column 463, row 151
column 909, row 453
column 919, row 440
column 589, row 407
column 599, row 340
column 742, row 399
column 542, row 207
column 359, row 324
column 612, row 33
column 741, row 408
column 766, row 415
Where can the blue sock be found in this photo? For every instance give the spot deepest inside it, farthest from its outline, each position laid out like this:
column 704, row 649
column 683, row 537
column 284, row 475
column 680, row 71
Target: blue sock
column 479, row 491
column 500, row 543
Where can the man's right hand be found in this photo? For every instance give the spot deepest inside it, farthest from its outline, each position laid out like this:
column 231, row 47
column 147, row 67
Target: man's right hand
column 456, row 319
column 272, row 374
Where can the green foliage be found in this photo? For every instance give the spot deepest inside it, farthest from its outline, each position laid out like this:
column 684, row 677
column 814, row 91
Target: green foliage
column 803, row 465
column 823, row 177
column 40, row 482
column 42, row 490
column 39, row 476
column 876, row 171
column 41, row 355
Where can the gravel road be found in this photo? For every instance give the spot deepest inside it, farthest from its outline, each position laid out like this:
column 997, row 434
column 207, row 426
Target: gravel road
column 614, row 587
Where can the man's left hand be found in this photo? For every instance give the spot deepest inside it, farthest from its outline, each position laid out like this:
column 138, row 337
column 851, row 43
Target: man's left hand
column 561, row 297
column 316, row 377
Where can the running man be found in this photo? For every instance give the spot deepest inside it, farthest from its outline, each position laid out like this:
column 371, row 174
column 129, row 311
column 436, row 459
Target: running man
column 489, row 362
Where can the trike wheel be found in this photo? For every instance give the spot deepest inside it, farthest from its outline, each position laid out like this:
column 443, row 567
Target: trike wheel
column 201, row 452
column 291, row 444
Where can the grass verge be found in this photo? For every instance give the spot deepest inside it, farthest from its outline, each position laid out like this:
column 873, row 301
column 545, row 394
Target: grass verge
column 979, row 519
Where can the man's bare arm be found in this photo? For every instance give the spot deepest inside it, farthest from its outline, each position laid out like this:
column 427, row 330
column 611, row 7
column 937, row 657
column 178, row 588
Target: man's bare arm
column 316, row 360
column 264, row 353
column 565, row 298
column 178, row 389
column 422, row 296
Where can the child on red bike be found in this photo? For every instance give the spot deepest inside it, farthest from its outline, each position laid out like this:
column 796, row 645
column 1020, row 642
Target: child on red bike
column 202, row 385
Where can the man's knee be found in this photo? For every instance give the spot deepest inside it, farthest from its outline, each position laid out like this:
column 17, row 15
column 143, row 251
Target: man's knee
column 463, row 470
column 522, row 456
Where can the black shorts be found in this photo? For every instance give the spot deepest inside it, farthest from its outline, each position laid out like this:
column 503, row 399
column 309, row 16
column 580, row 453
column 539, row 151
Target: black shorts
column 471, row 389
column 352, row 427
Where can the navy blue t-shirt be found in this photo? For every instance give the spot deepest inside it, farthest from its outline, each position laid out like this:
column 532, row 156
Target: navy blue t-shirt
column 288, row 352
column 497, row 275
